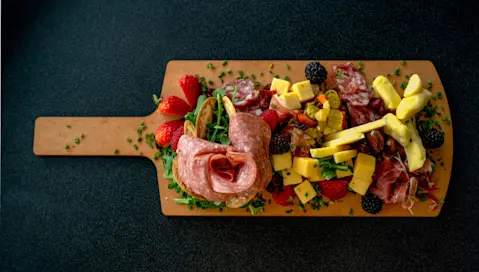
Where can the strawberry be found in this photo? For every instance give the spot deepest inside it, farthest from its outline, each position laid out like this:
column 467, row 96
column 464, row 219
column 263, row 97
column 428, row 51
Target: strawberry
column 164, row 133
column 176, row 138
column 270, row 117
column 173, row 105
column 284, row 196
column 334, row 189
column 191, row 88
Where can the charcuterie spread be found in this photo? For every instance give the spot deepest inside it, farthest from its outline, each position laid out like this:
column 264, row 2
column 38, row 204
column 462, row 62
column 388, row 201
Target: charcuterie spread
column 308, row 144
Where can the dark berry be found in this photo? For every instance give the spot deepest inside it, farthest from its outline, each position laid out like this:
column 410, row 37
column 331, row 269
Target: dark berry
column 315, row 72
column 279, row 144
column 275, row 184
column 432, row 138
column 371, row 203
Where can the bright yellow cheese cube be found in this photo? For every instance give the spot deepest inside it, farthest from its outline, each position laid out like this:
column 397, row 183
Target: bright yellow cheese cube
column 282, row 161
column 306, row 167
column 415, row 151
column 280, row 85
column 412, row 104
column 323, row 152
column 397, row 129
column 361, row 129
column 291, row 101
column 364, row 167
column 291, row 177
column 342, row 156
column 303, row 90
column 347, row 173
column 387, row 92
column 414, row 86
column 322, row 115
column 305, row 191
column 347, row 139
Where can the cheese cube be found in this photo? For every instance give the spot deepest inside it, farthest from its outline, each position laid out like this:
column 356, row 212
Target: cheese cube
column 364, row 167
column 303, row 90
column 360, row 129
column 342, row 156
column 323, row 152
column 281, row 86
column 397, row 129
column 412, row 104
column 282, row 161
column 306, row 167
column 347, row 139
column 291, row 101
column 305, row 191
column 291, row 177
column 387, row 92
column 347, row 173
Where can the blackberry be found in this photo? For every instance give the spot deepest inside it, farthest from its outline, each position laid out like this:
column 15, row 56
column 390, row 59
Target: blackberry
column 315, row 72
column 371, row 203
column 279, row 144
column 432, row 138
column 275, row 184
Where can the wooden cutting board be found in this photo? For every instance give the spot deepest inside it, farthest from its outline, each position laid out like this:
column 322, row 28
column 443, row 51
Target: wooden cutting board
column 103, row 135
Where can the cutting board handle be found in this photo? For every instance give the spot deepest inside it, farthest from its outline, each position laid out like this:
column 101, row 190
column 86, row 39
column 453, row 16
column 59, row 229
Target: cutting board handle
column 98, row 136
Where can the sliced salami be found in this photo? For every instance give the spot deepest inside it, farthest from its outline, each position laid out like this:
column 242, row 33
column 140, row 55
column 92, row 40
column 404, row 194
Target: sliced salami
column 361, row 115
column 245, row 94
column 351, row 84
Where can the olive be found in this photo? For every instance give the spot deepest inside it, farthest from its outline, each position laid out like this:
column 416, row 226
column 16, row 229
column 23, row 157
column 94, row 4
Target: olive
column 376, row 141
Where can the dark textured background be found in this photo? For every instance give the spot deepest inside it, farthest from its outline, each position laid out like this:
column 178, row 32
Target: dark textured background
column 90, row 57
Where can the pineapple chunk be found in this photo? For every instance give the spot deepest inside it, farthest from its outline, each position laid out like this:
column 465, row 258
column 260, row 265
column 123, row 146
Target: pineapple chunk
column 397, row 130
column 347, row 173
column 323, row 152
column 415, row 151
column 282, row 161
column 387, row 92
column 349, row 138
column 291, row 101
column 291, row 177
column 344, row 155
column 281, row 86
column 414, row 86
column 322, row 115
column 364, row 167
column 305, row 191
column 361, row 129
column 303, row 90
column 412, row 104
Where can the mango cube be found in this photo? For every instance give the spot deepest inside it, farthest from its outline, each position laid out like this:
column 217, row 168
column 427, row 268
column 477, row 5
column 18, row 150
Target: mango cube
column 281, row 86
column 323, row 152
column 412, row 104
column 364, row 167
column 387, row 92
column 397, row 129
column 342, row 156
column 303, row 90
column 360, row 129
column 291, row 101
column 282, row 161
column 347, row 139
column 291, row 177
column 305, row 191
column 347, row 173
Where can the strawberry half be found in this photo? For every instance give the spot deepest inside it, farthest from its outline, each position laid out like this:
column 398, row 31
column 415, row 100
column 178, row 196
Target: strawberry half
column 191, row 88
column 334, row 189
column 173, row 105
column 283, row 196
column 164, row 133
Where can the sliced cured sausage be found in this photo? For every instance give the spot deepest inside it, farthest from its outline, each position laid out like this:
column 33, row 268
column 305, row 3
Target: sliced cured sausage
column 245, row 93
column 351, row 84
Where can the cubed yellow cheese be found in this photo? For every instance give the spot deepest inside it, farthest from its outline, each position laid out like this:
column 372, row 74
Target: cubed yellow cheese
column 387, row 92
column 291, row 101
column 291, row 177
column 364, row 167
column 316, row 174
column 345, row 155
column 305, row 191
column 397, row 129
column 306, row 167
column 282, row 161
column 303, row 90
column 347, row 139
column 281, row 86
column 412, row 104
column 322, row 115
column 414, row 86
column 361, row 129
column 415, row 151
column 347, row 173
column 323, row 152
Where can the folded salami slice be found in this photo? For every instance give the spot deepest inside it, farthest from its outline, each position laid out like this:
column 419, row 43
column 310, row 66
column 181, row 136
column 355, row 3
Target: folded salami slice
column 245, row 94
column 351, row 84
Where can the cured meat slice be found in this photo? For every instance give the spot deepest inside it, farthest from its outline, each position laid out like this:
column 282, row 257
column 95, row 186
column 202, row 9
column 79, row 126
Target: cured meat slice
column 278, row 105
column 245, row 94
column 351, row 84
column 361, row 115
column 387, row 172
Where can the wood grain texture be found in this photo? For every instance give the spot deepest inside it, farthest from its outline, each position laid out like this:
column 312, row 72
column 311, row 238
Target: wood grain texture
column 103, row 135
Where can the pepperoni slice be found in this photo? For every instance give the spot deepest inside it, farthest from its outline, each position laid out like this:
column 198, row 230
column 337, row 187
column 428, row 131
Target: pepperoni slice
column 245, row 95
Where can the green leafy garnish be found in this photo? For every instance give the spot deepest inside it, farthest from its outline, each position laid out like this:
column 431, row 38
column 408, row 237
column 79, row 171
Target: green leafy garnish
column 329, row 167
column 261, row 74
column 286, row 78
column 351, row 212
column 429, row 84
column 218, row 128
column 67, row 147
column 360, row 65
column 339, row 74
column 442, row 201
column 210, row 82
column 191, row 116
column 276, row 76
column 224, row 63
column 135, row 147
column 256, row 83
column 228, row 71
column 210, row 66
column 117, row 151
column 403, row 62
column 407, row 76
column 301, row 207
column 253, row 76
column 77, row 140
column 221, row 74
column 396, row 71
column 68, row 126
column 128, row 140
column 156, row 99
column 404, row 85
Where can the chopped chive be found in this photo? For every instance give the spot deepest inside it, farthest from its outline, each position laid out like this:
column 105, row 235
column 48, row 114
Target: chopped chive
column 142, row 124
column 360, row 65
column 276, row 76
column 288, row 67
column 397, row 72
column 68, row 126
column 351, row 212
column 439, row 95
column 228, row 71
column 139, row 131
column 67, row 147
column 306, row 194
column 241, row 73
column 261, row 73
column 442, row 201
column 224, row 63
column 139, row 139
column 117, row 151
column 221, row 74
column 404, row 85
column 135, row 147
column 157, row 155
column 407, row 76
column 256, row 83
column 210, row 66
column 197, row 76
column 290, row 199
column 403, row 62
column 210, row 82
column 128, row 140
column 289, row 211
column 339, row 73
column 253, row 76
column 442, row 108
column 77, row 140
column 301, row 207
column 286, row 78
column 429, row 84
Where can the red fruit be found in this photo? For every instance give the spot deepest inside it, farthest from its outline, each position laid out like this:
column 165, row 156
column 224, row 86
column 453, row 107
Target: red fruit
column 334, row 189
column 164, row 133
column 284, row 197
column 270, row 117
column 173, row 105
column 191, row 88
column 176, row 138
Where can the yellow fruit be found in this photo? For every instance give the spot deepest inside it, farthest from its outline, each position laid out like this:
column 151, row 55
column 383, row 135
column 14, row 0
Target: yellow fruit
column 347, row 173
column 321, row 115
column 414, row 86
column 333, row 98
column 349, row 138
column 361, row 129
column 291, row 177
column 342, row 156
column 306, row 167
column 316, row 89
column 282, row 161
column 305, row 191
column 387, row 92
column 323, row 152
column 415, row 151
column 329, row 130
column 364, row 167
column 281, row 86
column 412, row 104
column 397, row 129
column 291, row 101
column 303, row 90
column 335, row 119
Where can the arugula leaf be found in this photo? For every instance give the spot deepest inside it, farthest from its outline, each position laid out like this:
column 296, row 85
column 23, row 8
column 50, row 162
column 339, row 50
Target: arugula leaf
column 218, row 128
column 191, row 116
column 219, row 91
column 329, row 167
column 167, row 156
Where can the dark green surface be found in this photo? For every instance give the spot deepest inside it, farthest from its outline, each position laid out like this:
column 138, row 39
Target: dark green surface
column 86, row 58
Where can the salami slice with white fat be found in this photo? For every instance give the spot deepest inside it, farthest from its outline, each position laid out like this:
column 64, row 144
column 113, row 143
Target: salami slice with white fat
column 351, row 84
column 245, row 93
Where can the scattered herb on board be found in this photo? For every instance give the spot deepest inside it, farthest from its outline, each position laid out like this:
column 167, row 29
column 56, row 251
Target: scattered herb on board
column 286, row 78
column 156, row 99
column 68, row 126
column 404, row 85
column 329, row 167
column 439, row 95
column 271, row 66
column 351, row 212
column 139, row 131
column 428, row 84
column 210, row 82
column 157, row 155
column 429, row 110
column 276, row 76
column 210, row 66
column 442, row 201
column 301, row 207
column 261, row 74
column 77, row 140
column 288, row 67
column 221, row 74
column 442, row 108
column 139, row 139
column 224, row 63
column 117, row 151
column 339, row 74
column 423, row 198
column 256, row 83
column 150, row 139
column 135, row 147
column 397, row 72
column 360, row 65
column 228, row 71
column 128, row 140
column 403, row 62
column 289, row 211
column 253, row 76
column 407, row 76
column 67, row 147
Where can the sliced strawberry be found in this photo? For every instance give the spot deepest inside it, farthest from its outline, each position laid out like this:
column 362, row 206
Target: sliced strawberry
column 270, row 117
column 191, row 88
column 164, row 133
column 284, row 196
column 176, row 138
column 334, row 189
column 173, row 105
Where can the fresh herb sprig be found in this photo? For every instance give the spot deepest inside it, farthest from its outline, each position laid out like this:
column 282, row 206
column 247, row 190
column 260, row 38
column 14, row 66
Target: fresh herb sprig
column 329, row 167
column 218, row 128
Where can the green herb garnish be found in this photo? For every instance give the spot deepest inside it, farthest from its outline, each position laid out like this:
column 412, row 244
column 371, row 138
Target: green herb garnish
column 306, row 194
column 276, row 76
column 221, row 74
column 117, row 151
column 135, row 147
column 404, row 85
column 256, row 83
column 67, row 147
column 253, row 76
column 407, row 76
column 288, row 67
column 397, row 72
column 403, row 62
column 351, row 212
column 339, row 74
column 360, row 65
column 128, row 140
column 286, row 78
column 77, row 140
column 442, row 201
column 68, row 126
column 289, row 211
column 210, row 82
column 210, row 66
column 261, row 73
column 228, row 71
column 139, row 139
column 156, row 99
column 290, row 199
column 301, row 207
column 224, row 63
column 139, row 131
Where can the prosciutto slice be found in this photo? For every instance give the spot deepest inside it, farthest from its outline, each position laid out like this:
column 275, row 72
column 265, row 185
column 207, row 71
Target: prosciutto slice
column 351, row 84
column 387, row 172
column 278, row 105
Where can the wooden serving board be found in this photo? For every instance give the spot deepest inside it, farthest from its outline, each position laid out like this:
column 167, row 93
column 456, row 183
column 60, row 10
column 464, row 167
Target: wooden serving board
column 103, row 135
